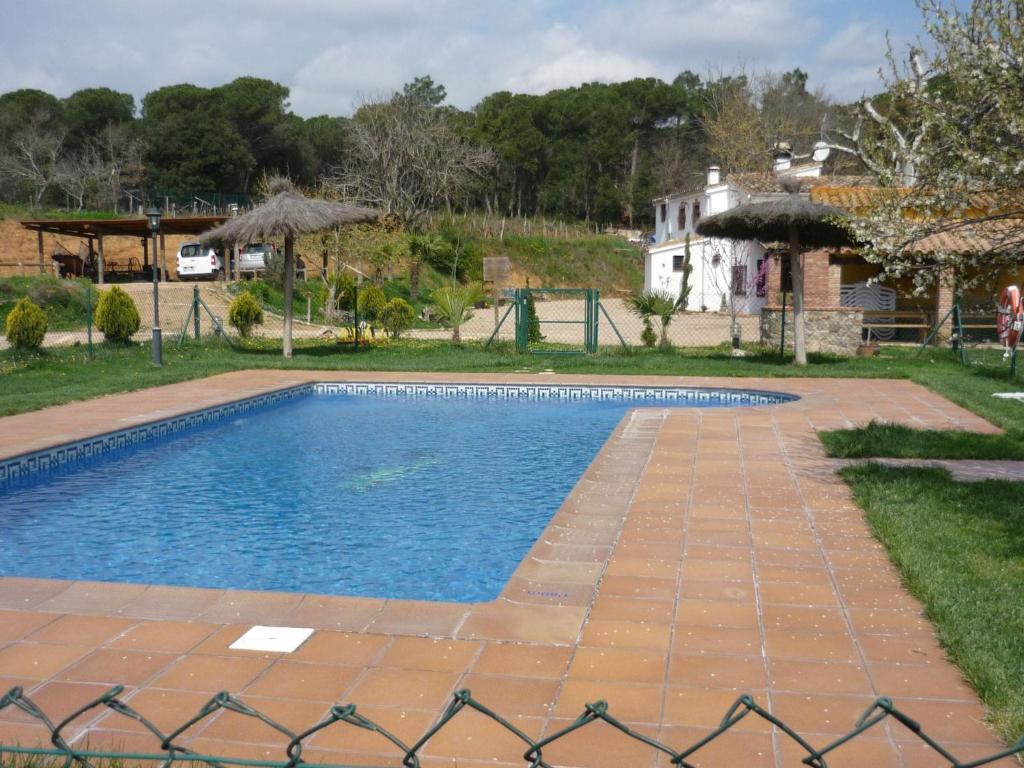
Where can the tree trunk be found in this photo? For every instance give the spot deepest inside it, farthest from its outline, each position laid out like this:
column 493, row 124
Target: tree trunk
column 796, row 266
column 634, row 164
column 456, row 335
column 414, row 280
column 289, row 289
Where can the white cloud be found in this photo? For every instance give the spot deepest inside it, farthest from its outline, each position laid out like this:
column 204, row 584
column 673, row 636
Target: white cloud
column 329, row 52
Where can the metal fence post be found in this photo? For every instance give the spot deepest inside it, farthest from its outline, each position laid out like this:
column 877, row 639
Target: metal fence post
column 88, row 318
column 195, row 311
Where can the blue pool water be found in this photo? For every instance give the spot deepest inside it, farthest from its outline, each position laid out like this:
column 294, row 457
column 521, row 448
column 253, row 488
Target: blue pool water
column 432, row 499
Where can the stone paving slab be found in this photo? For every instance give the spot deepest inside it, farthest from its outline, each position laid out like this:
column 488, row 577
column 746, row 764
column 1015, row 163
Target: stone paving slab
column 711, row 553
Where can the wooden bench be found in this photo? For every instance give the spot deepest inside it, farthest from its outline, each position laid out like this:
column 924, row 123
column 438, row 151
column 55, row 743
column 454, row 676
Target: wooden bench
column 892, row 317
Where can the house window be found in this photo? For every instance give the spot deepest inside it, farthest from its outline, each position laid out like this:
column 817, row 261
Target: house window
column 696, row 213
column 739, row 280
column 681, row 217
column 761, row 283
column 678, row 262
column 664, row 211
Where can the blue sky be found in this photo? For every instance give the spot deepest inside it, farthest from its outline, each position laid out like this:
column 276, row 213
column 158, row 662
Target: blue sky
column 332, row 53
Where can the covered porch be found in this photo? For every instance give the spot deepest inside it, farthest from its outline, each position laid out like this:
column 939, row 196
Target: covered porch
column 89, row 260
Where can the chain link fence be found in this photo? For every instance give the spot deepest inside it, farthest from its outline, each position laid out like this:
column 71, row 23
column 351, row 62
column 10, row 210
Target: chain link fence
column 172, row 750
column 186, row 311
column 561, row 314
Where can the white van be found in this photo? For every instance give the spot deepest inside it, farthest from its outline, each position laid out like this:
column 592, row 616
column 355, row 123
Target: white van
column 196, row 261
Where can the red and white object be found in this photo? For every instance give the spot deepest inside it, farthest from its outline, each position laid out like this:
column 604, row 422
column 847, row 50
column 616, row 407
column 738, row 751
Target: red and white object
column 1010, row 316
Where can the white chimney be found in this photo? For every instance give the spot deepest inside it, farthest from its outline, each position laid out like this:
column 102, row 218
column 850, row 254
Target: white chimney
column 714, row 175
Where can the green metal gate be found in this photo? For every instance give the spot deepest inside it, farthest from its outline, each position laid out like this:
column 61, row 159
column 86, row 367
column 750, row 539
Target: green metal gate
column 580, row 308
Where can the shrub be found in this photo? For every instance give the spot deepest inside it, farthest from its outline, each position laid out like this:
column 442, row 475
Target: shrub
column 398, row 316
column 371, row 303
column 648, row 336
column 51, row 292
column 454, row 306
column 259, row 289
column 116, row 315
column 26, row 325
column 533, row 334
column 273, row 271
column 245, row 313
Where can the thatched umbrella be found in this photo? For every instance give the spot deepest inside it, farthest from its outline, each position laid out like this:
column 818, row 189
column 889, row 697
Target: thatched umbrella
column 793, row 219
column 288, row 214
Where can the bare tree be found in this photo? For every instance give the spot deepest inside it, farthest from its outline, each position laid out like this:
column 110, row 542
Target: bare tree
column 886, row 139
column 118, row 152
column 745, row 115
column 407, row 159
column 726, row 266
column 33, row 158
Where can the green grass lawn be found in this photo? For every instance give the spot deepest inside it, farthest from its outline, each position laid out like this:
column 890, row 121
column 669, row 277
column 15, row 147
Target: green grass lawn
column 960, row 548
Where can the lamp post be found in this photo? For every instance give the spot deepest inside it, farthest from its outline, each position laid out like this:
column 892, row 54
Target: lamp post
column 153, row 214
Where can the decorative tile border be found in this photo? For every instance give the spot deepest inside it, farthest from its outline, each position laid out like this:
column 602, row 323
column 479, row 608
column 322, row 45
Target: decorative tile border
column 675, row 395
column 52, row 458
column 17, row 467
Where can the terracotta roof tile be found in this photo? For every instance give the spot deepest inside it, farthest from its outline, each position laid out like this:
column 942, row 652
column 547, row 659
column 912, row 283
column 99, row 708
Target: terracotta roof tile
column 771, row 183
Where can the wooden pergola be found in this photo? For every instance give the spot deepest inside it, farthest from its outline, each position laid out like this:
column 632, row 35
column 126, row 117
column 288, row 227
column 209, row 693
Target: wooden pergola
column 93, row 231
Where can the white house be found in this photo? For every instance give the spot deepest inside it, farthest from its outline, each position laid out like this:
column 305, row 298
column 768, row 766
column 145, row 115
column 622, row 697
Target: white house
column 720, row 268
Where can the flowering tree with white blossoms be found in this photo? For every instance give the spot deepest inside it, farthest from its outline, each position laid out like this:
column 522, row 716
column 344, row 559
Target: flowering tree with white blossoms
column 961, row 171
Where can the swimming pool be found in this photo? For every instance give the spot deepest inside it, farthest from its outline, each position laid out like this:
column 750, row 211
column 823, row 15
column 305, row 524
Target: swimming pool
column 432, row 492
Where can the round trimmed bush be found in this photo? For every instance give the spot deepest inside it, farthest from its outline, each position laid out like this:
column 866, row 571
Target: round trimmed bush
column 25, row 326
column 117, row 316
column 371, row 303
column 245, row 313
column 397, row 316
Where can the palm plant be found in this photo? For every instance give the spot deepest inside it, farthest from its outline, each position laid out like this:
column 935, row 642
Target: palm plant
column 454, row 306
column 648, row 304
column 422, row 248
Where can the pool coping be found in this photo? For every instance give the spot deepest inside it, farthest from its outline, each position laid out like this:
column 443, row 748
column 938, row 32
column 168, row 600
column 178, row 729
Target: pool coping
column 556, row 581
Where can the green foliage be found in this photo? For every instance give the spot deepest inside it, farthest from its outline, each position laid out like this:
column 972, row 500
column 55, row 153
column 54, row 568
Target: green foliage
column 116, row 315
column 25, row 326
column 90, row 110
column 397, row 317
column 260, row 289
column 340, row 288
column 648, row 304
column 454, row 306
column 426, row 91
column 533, row 334
column 273, row 269
column 685, row 288
column 647, row 336
column 245, row 313
column 371, row 303
column 65, row 302
column 429, row 248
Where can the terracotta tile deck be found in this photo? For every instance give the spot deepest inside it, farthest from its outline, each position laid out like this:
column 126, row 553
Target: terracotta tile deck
column 702, row 554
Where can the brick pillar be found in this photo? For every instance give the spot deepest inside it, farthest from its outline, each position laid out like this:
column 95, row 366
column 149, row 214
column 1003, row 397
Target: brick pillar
column 817, row 275
column 835, row 281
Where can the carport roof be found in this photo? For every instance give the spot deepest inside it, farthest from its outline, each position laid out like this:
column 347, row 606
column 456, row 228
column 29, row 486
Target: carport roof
column 135, row 227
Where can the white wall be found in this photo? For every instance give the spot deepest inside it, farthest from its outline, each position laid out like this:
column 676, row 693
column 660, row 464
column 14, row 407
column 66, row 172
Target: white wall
column 708, row 280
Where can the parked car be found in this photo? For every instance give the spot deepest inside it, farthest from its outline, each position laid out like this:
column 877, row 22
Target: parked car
column 196, row 260
column 253, row 258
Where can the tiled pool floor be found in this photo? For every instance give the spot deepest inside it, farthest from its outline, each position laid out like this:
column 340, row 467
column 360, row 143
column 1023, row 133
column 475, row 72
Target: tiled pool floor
column 704, row 553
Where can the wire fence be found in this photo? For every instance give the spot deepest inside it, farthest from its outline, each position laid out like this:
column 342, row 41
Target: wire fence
column 172, row 750
column 562, row 320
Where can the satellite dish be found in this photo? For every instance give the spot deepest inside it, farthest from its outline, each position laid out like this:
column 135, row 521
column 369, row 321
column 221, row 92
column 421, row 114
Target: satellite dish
column 821, row 152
